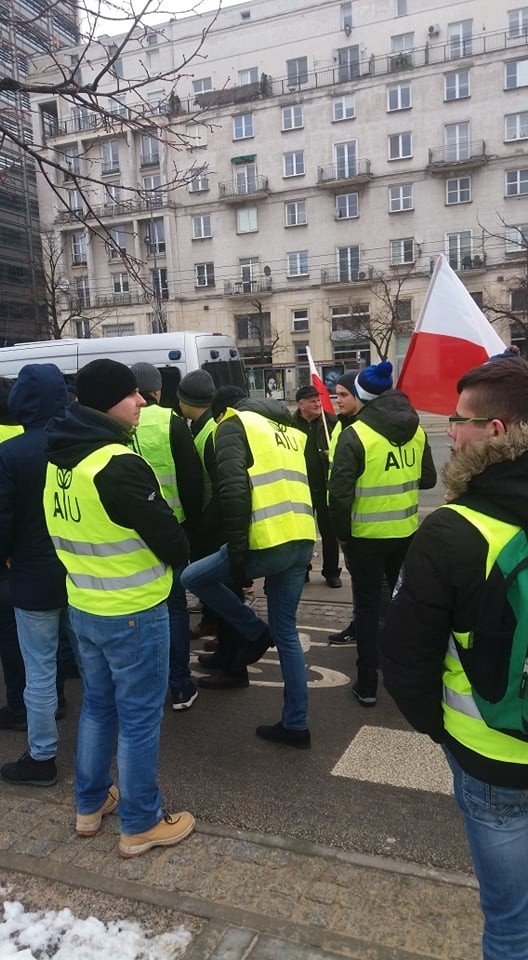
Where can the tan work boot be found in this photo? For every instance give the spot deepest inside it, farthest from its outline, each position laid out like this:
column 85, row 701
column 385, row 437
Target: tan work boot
column 88, row 824
column 173, row 828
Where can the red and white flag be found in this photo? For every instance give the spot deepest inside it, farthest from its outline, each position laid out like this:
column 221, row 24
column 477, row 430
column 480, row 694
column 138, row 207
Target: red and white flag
column 451, row 336
column 319, row 385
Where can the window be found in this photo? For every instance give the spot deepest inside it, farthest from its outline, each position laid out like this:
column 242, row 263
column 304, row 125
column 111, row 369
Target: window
column 204, row 275
column 110, row 156
column 517, row 238
column 112, row 194
column 402, row 251
column 247, row 220
column 156, row 100
column 297, row 71
column 153, row 62
column 293, row 163
column 459, row 37
column 158, row 279
column 120, row 283
column 245, row 178
column 71, row 160
column 203, row 85
column 353, row 319
column 458, row 190
column 299, row 321
column 149, row 150
column 82, row 328
column 297, row 265
column 401, row 8
column 199, row 182
column 156, row 237
column 347, row 206
column 456, row 85
column 75, row 202
column 457, row 141
column 201, row 227
column 248, row 76
column 78, row 248
column 348, row 63
column 459, row 247
column 400, row 146
column 346, row 16
column 347, row 263
column 399, row 96
column 402, row 43
column 117, row 107
column 243, row 126
column 295, row 213
column 403, row 310
column 82, row 291
column 196, row 135
column 345, row 159
column 516, row 74
column 519, row 300
column 118, row 330
column 401, row 198
column 152, row 190
column 117, row 68
column 254, row 326
column 343, row 108
column 517, row 182
column 518, row 22
column 300, row 355
column 249, row 270
column 117, row 244
column 292, row 117
column 516, row 126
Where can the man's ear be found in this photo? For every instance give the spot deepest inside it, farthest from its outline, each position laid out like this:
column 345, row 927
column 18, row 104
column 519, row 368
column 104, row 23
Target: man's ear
column 498, row 427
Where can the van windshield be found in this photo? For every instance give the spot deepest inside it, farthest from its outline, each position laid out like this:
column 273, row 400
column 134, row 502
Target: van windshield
column 227, row 372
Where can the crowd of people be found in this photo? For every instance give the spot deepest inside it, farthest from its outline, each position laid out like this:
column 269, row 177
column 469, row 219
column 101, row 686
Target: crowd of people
column 113, row 506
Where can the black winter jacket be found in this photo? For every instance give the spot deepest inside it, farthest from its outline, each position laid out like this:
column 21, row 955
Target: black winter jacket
column 316, row 450
column 127, row 486
column 392, row 416
column 38, row 578
column 442, row 580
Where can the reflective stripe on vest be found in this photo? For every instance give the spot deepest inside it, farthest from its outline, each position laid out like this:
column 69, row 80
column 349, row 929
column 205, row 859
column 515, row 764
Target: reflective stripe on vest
column 110, row 569
column 152, row 441
column 199, row 441
column 281, row 505
column 336, row 433
column 385, row 503
column 462, row 718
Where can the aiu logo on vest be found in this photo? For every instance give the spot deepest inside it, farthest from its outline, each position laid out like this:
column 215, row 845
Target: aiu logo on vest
column 63, row 505
column 283, row 438
column 399, row 459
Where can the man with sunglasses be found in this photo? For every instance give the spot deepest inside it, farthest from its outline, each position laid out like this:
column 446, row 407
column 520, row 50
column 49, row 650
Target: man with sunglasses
column 431, row 624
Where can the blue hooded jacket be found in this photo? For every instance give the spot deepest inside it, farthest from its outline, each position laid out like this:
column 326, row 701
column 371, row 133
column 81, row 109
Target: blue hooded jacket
column 37, row 575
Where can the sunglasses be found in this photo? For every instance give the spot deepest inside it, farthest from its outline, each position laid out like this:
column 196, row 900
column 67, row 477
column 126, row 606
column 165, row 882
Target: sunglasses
column 454, row 420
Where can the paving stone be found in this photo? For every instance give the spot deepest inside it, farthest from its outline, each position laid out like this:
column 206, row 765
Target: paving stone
column 234, row 945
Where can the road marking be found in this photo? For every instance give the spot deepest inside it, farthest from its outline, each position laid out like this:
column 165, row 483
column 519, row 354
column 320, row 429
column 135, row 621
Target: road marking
column 397, row 758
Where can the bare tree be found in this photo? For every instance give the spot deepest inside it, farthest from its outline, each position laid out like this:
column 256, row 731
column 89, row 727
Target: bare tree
column 54, row 318
column 512, row 306
column 268, row 337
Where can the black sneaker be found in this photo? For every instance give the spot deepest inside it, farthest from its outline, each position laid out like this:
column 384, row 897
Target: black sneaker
column 364, row 697
column 348, row 635
column 184, row 697
column 333, row 582
column 276, row 733
column 12, row 721
column 33, row 773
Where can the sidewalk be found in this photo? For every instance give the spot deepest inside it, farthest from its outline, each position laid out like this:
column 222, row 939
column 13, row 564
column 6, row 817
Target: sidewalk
column 248, row 896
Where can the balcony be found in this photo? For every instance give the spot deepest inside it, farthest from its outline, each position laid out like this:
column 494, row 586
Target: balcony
column 458, row 156
column 248, row 288
column 336, row 176
column 465, row 264
column 400, row 61
column 333, row 278
column 254, row 189
column 126, row 209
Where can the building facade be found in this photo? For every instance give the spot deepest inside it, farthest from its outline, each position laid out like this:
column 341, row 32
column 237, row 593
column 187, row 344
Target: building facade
column 28, row 28
column 330, row 152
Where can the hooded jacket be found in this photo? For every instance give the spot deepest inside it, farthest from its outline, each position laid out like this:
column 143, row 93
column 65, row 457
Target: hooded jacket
column 316, row 450
column 37, row 575
column 442, row 580
column 392, row 416
column 127, row 486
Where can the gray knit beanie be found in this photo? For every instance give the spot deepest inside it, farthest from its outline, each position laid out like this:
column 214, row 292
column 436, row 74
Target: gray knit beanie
column 197, row 389
column 147, row 376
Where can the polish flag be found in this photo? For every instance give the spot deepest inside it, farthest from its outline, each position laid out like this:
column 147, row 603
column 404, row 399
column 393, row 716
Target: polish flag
column 451, row 336
column 319, row 385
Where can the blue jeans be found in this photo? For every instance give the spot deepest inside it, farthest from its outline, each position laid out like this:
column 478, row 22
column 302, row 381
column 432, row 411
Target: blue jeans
column 284, row 568
column 496, row 824
column 179, row 672
column 38, row 635
column 125, row 662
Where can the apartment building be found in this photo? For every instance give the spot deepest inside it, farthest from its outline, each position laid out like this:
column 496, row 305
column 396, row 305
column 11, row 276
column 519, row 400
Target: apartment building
column 331, row 150
column 28, row 28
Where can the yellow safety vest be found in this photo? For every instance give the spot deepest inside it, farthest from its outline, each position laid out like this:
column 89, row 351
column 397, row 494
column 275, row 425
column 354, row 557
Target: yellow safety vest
column 385, row 504
column 462, row 718
column 7, row 431
column 199, row 442
column 281, row 505
column 110, row 569
column 152, row 441
column 334, row 437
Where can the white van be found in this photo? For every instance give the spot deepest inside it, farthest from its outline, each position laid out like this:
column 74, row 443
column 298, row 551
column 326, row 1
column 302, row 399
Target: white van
column 174, row 354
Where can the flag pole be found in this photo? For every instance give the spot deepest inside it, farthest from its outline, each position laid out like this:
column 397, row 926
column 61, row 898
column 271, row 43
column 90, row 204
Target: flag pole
column 322, row 391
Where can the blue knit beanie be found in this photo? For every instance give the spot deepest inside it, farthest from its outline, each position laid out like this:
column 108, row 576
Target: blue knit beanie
column 373, row 380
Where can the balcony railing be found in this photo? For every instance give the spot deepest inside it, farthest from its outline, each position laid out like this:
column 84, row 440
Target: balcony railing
column 363, row 274
column 254, row 187
column 134, row 298
column 356, row 172
column 464, row 263
column 461, row 154
column 236, row 288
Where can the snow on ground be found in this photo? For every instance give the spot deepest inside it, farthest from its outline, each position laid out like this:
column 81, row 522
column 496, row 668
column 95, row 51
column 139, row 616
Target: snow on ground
column 63, row 936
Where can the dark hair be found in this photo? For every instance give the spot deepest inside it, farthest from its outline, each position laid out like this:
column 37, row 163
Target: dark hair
column 498, row 390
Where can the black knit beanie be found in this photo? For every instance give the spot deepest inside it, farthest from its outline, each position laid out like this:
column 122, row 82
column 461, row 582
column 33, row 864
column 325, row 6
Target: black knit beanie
column 348, row 381
column 226, row 397
column 103, row 383
column 197, row 389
